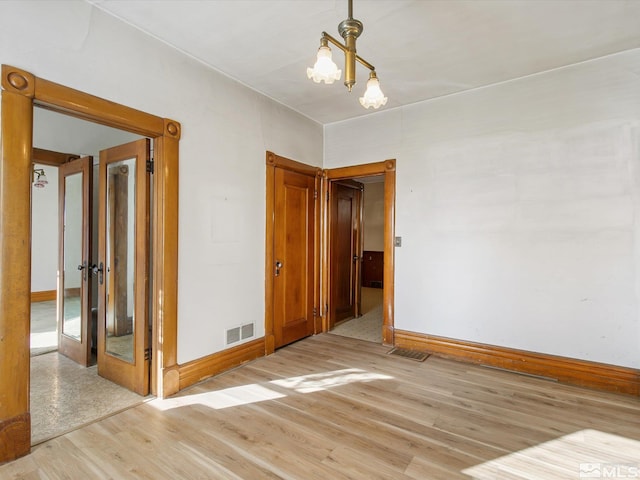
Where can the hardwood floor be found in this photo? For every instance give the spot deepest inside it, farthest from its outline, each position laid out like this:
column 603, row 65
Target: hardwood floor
column 332, row 407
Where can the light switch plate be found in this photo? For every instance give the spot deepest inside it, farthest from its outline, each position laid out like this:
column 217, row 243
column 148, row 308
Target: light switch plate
column 398, row 242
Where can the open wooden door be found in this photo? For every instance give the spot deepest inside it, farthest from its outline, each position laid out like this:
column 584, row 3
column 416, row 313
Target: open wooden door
column 346, row 249
column 294, row 248
column 74, row 277
column 123, row 229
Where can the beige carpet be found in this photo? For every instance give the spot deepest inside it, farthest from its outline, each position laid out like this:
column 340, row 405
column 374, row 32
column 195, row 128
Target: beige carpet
column 369, row 326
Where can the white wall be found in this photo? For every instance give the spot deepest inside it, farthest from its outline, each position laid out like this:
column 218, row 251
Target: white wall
column 374, row 217
column 226, row 129
column 519, row 208
column 44, row 241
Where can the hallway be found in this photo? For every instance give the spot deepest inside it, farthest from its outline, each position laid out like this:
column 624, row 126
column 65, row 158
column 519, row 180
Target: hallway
column 368, row 326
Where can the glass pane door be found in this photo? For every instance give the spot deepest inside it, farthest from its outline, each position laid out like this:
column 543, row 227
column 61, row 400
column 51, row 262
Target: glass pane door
column 123, row 238
column 74, row 278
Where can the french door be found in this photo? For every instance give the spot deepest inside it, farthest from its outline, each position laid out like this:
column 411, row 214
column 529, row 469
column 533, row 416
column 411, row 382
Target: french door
column 122, row 270
column 74, row 277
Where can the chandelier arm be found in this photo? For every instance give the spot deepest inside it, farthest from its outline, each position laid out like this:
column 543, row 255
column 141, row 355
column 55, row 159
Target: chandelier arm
column 344, row 50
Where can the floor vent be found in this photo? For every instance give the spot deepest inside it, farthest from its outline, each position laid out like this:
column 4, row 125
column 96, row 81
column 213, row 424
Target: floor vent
column 410, row 354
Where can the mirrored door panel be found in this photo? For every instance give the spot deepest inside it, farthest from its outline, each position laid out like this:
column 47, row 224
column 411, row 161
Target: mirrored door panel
column 74, row 264
column 123, row 271
column 119, row 259
column 74, row 279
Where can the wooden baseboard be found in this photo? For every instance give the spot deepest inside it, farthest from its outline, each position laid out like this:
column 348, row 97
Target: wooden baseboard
column 15, row 437
column 205, row 367
column 43, row 296
column 600, row 376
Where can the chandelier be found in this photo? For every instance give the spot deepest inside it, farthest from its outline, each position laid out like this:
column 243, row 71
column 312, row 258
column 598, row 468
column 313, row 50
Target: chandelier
column 325, row 70
column 41, row 179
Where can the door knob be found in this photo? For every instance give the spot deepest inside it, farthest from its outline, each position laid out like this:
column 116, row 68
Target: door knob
column 98, row 270
column 278, row 267
column 83, row 267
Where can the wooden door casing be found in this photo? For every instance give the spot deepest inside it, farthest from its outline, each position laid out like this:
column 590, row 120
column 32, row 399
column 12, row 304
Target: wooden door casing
column 386, row 169
column 345, row 246
column 20, row 92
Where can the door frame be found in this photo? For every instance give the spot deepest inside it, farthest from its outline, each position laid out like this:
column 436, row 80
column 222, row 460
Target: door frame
column 388, row 169
column 21, row 91
column 273, row 161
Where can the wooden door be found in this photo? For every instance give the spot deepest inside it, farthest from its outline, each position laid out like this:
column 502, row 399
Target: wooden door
column 293, row 252
column 123, row 230
column 346, row 249
column 74, row 277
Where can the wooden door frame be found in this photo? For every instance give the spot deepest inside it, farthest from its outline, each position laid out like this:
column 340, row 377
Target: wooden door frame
column 273, row 161
column 388, row 169
column 21, row 91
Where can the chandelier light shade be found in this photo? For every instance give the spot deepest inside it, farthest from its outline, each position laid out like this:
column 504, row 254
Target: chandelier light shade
column 39, row 178
column 325, row 70
column 373, row 97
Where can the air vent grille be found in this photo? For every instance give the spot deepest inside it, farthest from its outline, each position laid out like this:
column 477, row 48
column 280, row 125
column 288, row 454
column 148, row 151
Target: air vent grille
column 235, row 334
column 410, row 354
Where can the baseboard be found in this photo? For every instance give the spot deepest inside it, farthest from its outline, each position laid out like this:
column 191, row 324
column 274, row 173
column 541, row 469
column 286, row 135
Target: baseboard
column 43, row 296
column 205, row 367
column 600, row 376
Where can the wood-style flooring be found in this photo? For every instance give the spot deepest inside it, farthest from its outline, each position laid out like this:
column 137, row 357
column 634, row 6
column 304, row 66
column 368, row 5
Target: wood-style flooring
column 331, row 407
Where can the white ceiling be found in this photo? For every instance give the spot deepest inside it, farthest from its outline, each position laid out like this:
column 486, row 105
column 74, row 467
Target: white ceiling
column 421, row 49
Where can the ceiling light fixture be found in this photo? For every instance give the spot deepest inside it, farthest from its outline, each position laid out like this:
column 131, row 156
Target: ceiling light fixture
column 41, row 181
column 325, row 70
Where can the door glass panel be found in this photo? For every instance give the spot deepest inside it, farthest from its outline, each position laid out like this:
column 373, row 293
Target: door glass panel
column 120, row 259
column 72, row 277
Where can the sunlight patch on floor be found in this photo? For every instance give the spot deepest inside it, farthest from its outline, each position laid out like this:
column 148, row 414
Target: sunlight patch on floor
column 253, row 393
column 316, row 382
column 583, row 454
column 44, row 340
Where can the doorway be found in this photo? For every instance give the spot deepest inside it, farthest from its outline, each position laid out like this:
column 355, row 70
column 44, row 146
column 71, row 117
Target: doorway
column 322, row 311
column 380, row 171
column 364, row 262
column 21, row 92
column 65, row 382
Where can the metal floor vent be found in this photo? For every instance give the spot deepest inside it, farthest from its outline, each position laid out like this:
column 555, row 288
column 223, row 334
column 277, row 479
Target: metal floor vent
column 410, row 354
column 235, row 334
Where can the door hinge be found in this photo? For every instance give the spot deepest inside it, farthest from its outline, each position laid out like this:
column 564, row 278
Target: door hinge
column 327, row 195
column 326, row 309
column 150, row 166
column 315, row 194
column 315, row 312
column 147, row 354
